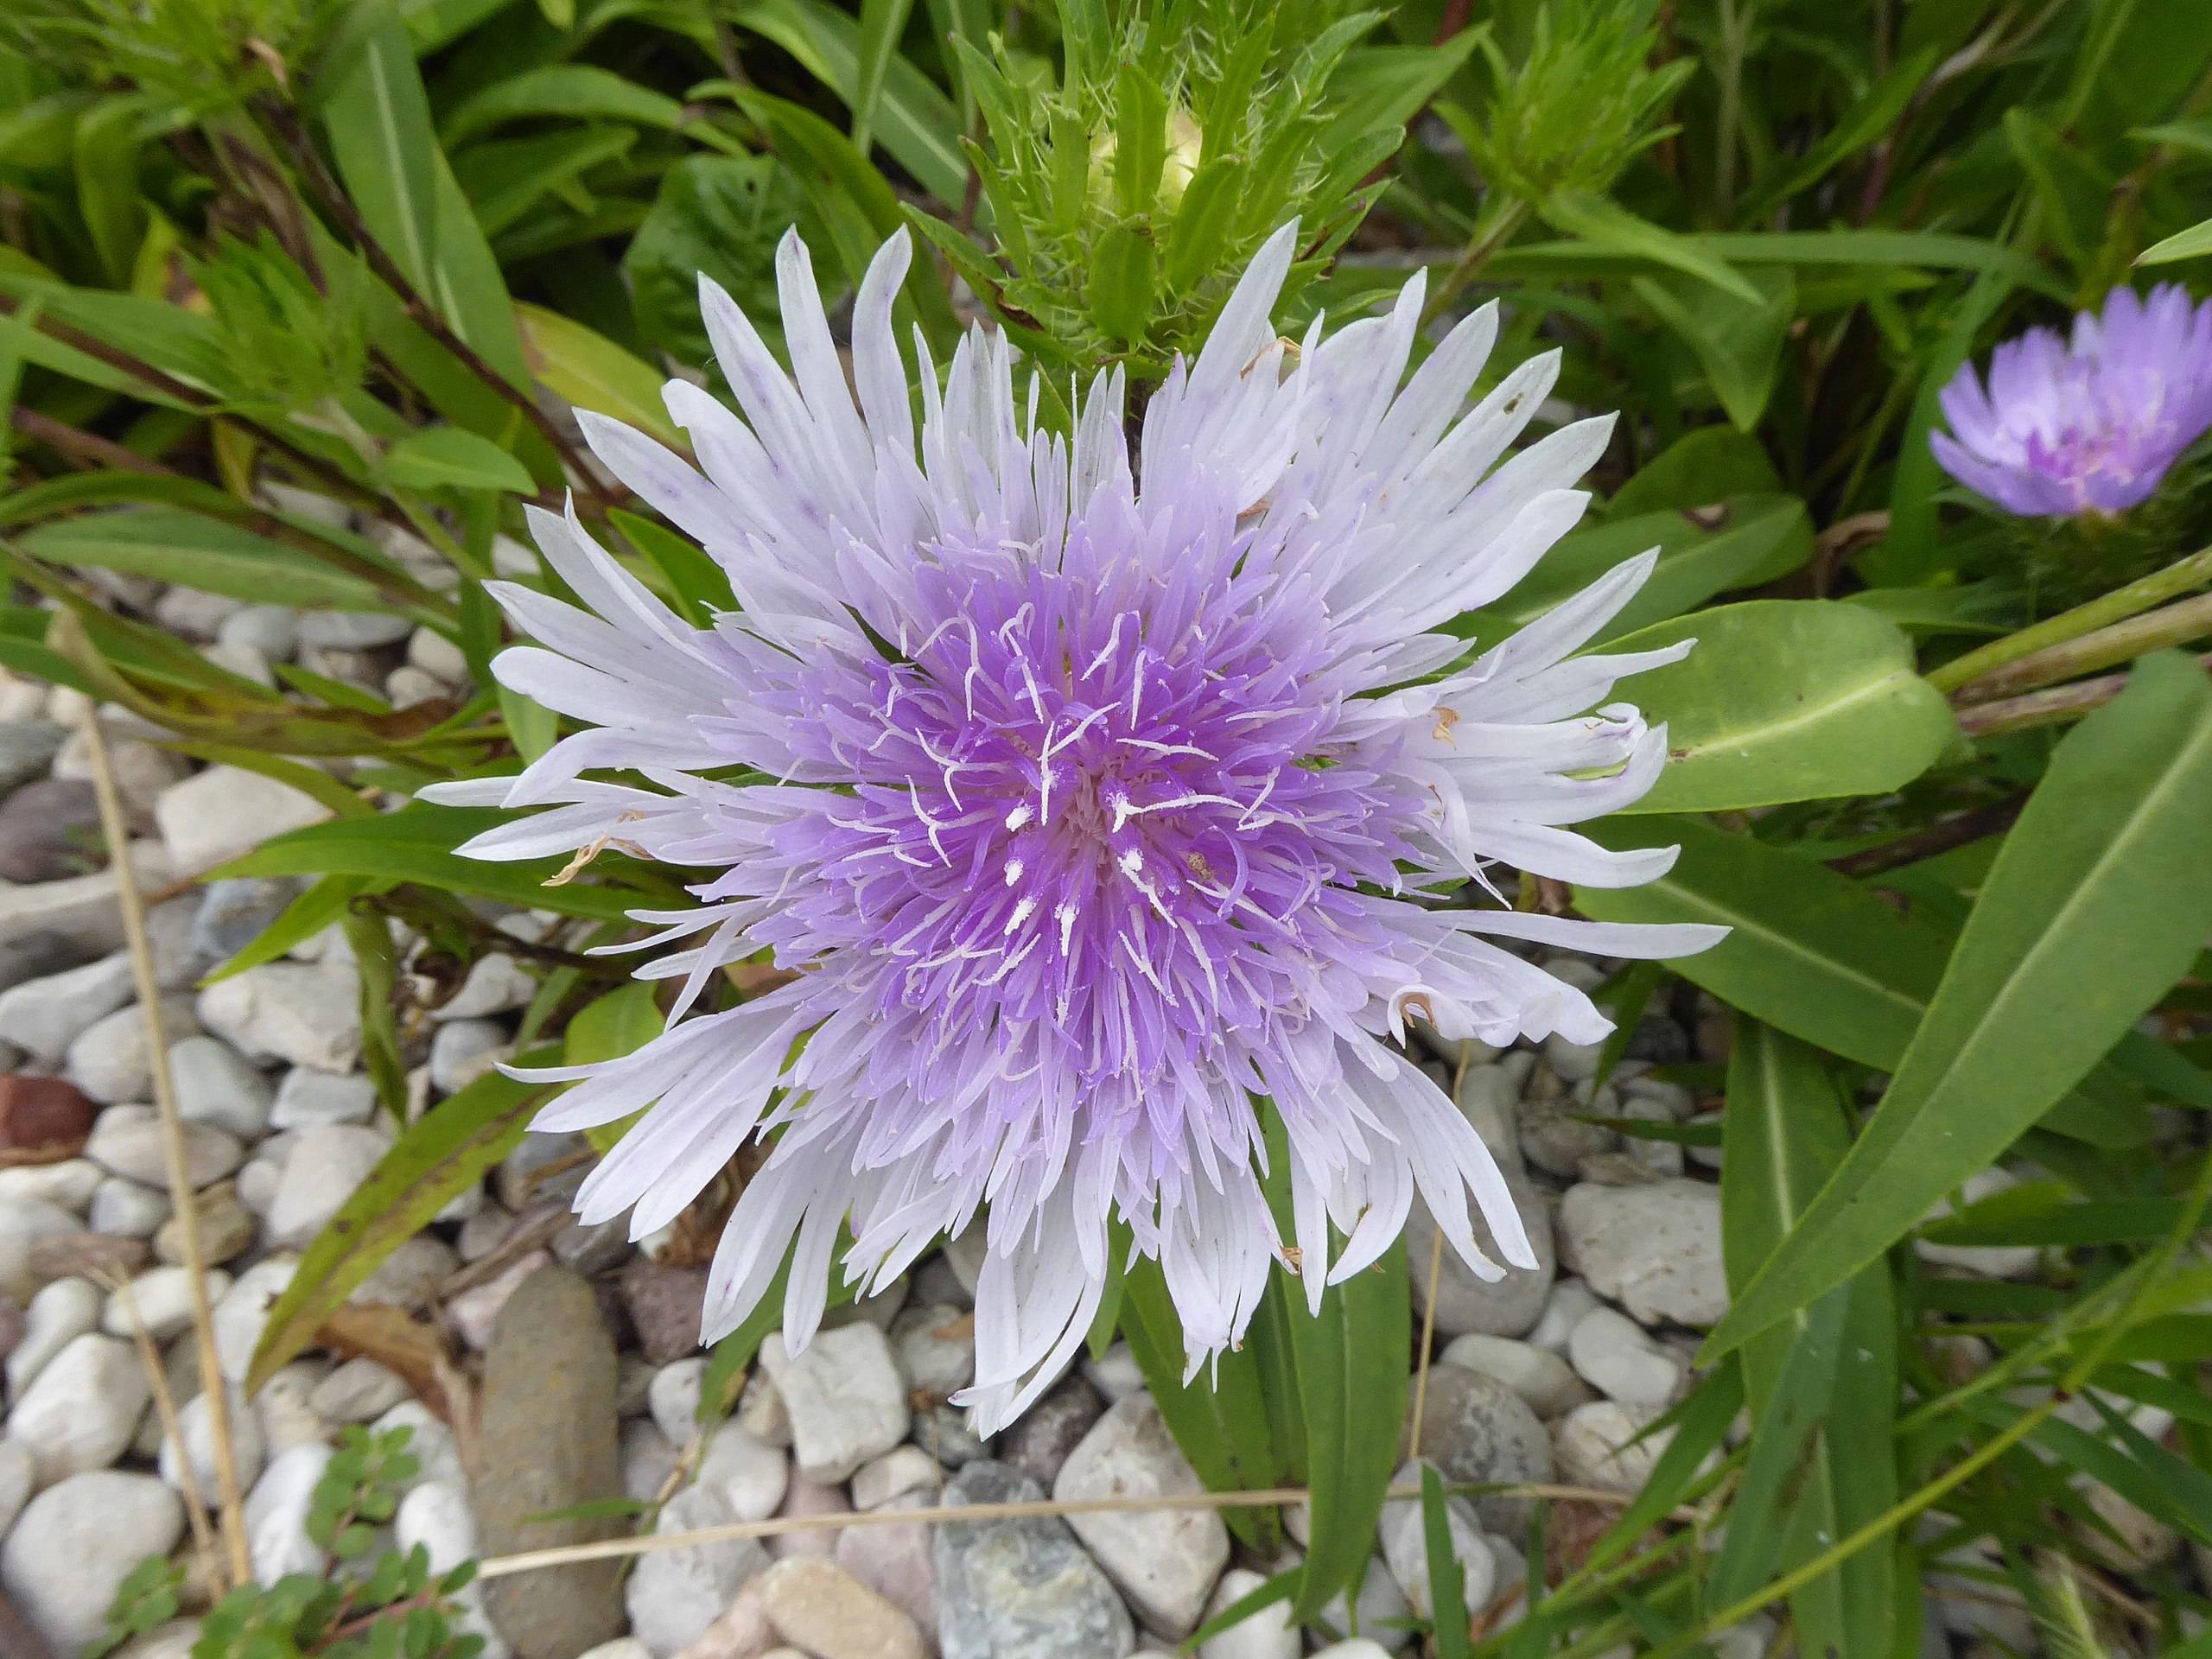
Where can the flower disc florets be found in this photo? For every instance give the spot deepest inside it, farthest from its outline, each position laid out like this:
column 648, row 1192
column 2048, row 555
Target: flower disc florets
column 1095, row 817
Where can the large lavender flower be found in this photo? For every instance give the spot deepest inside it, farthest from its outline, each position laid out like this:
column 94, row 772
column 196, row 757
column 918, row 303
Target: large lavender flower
column 1088, row 811
column 2088, row 429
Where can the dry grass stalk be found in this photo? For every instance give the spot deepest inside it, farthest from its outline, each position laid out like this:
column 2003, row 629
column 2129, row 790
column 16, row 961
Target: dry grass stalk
column 150, row 1361
column 116, row 831
column 532, row 1561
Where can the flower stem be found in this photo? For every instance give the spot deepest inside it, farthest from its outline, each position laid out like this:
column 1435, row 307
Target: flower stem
column 2180, row 577
column 1487, row 241
column 2045, row 708
column 2171, row 625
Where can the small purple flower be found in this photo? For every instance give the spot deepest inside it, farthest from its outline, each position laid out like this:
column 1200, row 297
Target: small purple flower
column 1091, row 806
column 2090, row 428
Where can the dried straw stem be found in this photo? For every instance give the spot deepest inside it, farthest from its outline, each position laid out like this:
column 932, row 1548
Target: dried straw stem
column 1427, row 1342
column 532, row 1561
column 150, row 1361
column 181, row 1197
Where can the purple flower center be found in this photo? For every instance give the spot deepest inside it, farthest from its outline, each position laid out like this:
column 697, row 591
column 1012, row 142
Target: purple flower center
column 1087, row 782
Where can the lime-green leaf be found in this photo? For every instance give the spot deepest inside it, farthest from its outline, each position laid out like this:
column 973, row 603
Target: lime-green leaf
column 2192, row 243
column 196, row 552
column 2098, row 901
column 589, row 371
column 1602, row 222
column 441, row 1155
column 1787, row 700
column 450, row 458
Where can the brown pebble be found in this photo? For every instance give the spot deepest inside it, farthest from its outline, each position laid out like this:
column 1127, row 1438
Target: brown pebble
column 43, row 1112
column 665, row 1304
column 96, row 1256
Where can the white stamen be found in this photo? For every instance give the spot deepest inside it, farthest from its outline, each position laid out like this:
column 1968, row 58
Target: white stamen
column 1013, row 871
column 1065, row 917
column 1019, row 815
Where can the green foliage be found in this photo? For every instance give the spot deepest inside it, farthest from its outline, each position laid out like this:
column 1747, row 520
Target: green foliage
column 355, row 1608
column 287, row 288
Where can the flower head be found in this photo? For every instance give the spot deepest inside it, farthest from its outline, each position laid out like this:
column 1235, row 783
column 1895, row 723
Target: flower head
column 1094, row 805
column 2089, row 428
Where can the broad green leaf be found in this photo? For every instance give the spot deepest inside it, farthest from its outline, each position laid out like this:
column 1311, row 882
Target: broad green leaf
column 416, row 844
column 1602, row 222
column 467, row 287
column 1786, row 1132
column 1787, row 700
column 1219, row 1417
column 2192, row 243
column 1730, row 545
column 1738, row 342
column 2098, row 902
column 196, row 552
column 450, row 458
column 589, row 371
column 439, row 1156
column 1351, row 1373
column 578, row 92
column 1707, row 465
column 378, row 119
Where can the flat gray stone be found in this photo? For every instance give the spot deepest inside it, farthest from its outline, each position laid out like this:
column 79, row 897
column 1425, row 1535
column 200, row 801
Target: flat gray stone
column 547, row 1441
column 1021, row 1588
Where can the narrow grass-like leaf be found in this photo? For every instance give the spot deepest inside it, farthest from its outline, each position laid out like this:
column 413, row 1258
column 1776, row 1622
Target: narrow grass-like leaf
column 196, row 552
column 1449, row 1618
column 450, row 458
column 587, row 369
column 2098, row 902
column 416, row 844
column 441, row 1155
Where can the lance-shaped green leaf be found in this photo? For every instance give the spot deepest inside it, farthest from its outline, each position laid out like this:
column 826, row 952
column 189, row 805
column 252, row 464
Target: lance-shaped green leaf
column 1810, row 951
column 416, row 844
column 441, row 1155
column 2097, row 904
column 1786, row 1132
column 379, row 118
column 196, row 552
column 1787, row 700
column 1219, row 1417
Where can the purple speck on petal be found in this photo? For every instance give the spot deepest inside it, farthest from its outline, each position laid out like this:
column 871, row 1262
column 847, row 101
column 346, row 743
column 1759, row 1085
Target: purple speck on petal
column 2088, row 425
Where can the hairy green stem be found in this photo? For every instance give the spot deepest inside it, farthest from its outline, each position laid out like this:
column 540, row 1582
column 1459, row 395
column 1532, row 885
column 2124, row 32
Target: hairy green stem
column 2182, row 576
column 2170, row 625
